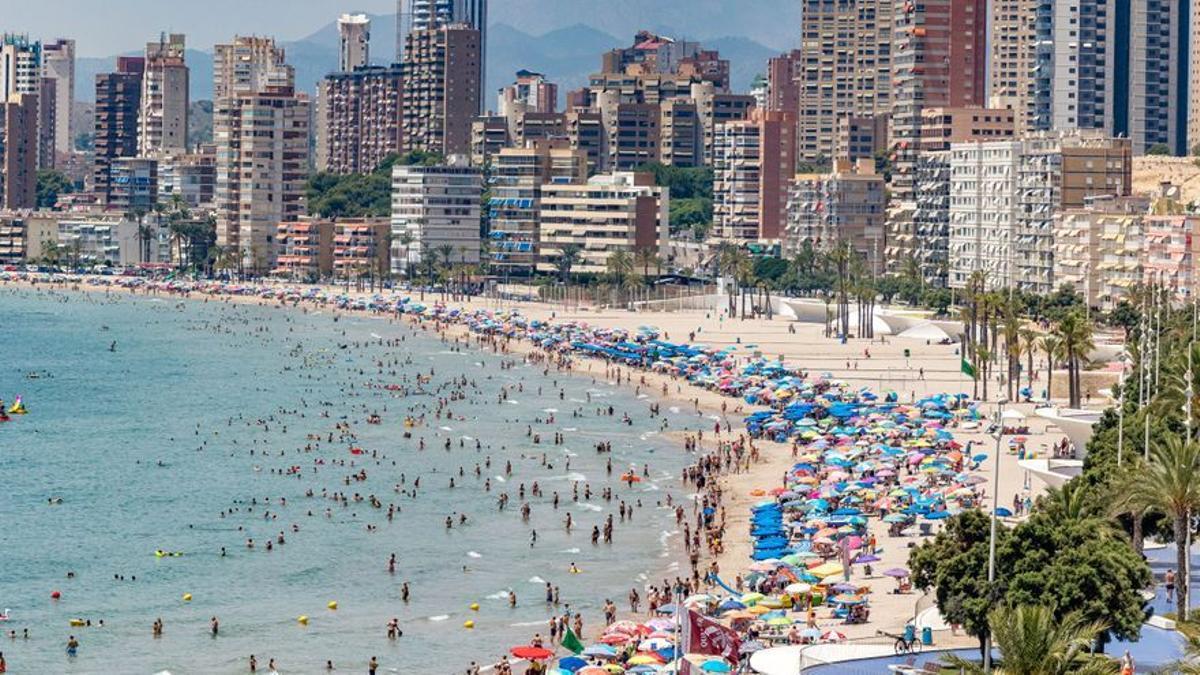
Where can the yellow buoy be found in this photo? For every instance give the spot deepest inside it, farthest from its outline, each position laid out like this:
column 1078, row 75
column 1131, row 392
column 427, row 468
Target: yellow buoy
column 187, row 597
column 332, row 604
column 474, row 606
column 303, row 619
column 77, row 622
column 468, row 625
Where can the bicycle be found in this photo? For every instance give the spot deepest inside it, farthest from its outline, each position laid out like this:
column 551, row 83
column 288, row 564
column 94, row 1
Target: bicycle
column 904, row 644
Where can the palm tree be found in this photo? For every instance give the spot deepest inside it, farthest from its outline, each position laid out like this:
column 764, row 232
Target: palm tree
column 620, row 265
column 984, row 356
column 1170, row 483
column 1182, row 376
column 1052, row 346
column 1012, row 348
column 646, row 256
column 1076, row 335
column 568, row 255
column 1029, row 345
column 1033, row 641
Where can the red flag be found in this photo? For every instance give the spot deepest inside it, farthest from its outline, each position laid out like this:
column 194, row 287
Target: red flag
column 702, row 635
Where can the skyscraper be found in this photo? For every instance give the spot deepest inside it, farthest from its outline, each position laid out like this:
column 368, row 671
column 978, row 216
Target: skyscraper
column 939, row 61
column 20, row 65
column 58, row 64
column 118, row 102
column 247, row 65
column 354, row 33
column 1150, row 73
column 1074, row 76
column 844, row 68
column 261, row 130
column 163, row 123
column 415, row 15
column 441, row 88
column 359, row 120
column 1013, row 58
column 19, row 151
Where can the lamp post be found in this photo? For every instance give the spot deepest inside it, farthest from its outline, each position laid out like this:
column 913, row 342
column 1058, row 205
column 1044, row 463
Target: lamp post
column 987, row 646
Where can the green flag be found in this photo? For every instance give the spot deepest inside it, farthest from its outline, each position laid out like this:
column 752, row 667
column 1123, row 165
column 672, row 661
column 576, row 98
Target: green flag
column 571, row 642
column 967, row 368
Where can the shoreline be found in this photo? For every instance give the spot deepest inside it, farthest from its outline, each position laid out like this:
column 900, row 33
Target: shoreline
column 889, row 612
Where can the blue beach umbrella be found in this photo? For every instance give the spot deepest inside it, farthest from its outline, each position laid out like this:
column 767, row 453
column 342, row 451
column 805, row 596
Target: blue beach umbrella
column 571, row 663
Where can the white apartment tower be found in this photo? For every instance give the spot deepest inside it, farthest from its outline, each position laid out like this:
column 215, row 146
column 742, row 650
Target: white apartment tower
column 354, row 32
column 58, row 64
column 434, row 207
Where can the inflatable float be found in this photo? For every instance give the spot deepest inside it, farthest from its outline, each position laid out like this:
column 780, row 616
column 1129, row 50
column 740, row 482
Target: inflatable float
column 18, row 407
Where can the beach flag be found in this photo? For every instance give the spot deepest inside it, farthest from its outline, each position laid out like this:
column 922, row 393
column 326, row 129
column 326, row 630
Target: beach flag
column 967, row 368
column 571, row 641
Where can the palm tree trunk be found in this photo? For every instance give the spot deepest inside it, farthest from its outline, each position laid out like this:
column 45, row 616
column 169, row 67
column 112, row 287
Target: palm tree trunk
column 1181, row 554
column 1138, row 536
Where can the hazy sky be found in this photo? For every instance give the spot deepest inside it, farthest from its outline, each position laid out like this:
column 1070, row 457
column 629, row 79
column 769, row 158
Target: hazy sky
column 107, row 27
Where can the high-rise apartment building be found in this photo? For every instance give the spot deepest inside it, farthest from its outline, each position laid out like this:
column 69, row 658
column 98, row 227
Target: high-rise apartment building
column 360, row 119
column 939, row 60
column 262, row 168
column 18, row 151
column 249, row 64
column 418, row 15
column 163, row 122
column 845, row 207
column 844, row 68
column 518, row 174
column 783, row 86
column 653, row 54
column 20, row 65
column 1013, row 59
column 434, row 207
column 1005, row 194
column 530, row 92
column 118, row 103
column 1150, row 76
column 58, row 64
column 621, row 211
column 134, row 185
column 755, row 159
column 1075, row 58
column 354, row 36
column 441, row 88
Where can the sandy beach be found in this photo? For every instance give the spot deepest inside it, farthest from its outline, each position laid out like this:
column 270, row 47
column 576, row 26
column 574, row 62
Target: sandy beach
column 879, row 365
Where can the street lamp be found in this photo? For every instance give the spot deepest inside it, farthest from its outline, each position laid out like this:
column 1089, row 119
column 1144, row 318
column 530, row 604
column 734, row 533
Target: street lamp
column 987, row 646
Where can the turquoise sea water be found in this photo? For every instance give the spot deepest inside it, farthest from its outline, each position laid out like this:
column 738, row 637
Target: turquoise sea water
column 148, row 444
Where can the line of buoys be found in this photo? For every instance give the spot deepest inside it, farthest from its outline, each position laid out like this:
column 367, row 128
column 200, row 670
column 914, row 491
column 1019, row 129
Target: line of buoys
column 474, row 606
column 468, row 624
column 187, row 597
column 332, row 604
column 303, row 620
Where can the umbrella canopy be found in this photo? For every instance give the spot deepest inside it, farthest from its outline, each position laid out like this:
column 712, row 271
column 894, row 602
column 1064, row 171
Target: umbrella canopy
column 898, row 573
column 532, row 653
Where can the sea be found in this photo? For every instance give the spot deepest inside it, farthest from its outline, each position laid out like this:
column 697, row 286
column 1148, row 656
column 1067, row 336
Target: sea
column 157, row 423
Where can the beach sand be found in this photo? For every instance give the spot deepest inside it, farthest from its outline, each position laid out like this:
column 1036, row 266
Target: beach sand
column 927, row 369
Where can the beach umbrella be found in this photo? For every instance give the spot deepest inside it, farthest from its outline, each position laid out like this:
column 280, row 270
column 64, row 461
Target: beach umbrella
column 798, row 588
column 937, row 515
column 833, row 636
column 571, row 663
column 1003, row 512
column 530, row 652
column 715, row 666
column 600, row 650
column 826, row 569
column 654, row 644
column 810, row 633
column 643, row 660
column 779, row 621
column 897, row 573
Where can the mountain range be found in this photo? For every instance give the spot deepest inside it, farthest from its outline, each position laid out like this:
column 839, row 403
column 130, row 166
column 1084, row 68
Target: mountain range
column 563, row 39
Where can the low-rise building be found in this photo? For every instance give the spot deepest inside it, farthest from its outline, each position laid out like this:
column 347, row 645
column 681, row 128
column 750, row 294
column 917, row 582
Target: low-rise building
column 306, row 249
column 622, row 211
column 25, row 236
column 1098, row 248
column 361, row 248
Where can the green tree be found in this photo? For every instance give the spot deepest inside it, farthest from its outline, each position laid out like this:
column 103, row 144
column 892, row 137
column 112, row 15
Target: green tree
column 51, row 184
column 1159, row 149
column 1170, row 484
column 1033, row 640
column 954, row 564
column 566, row 259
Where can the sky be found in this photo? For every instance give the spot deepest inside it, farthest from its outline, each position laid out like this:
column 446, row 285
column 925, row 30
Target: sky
column 107, row 27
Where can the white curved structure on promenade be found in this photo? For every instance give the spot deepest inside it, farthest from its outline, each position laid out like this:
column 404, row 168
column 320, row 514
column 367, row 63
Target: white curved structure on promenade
column 1076, row 424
